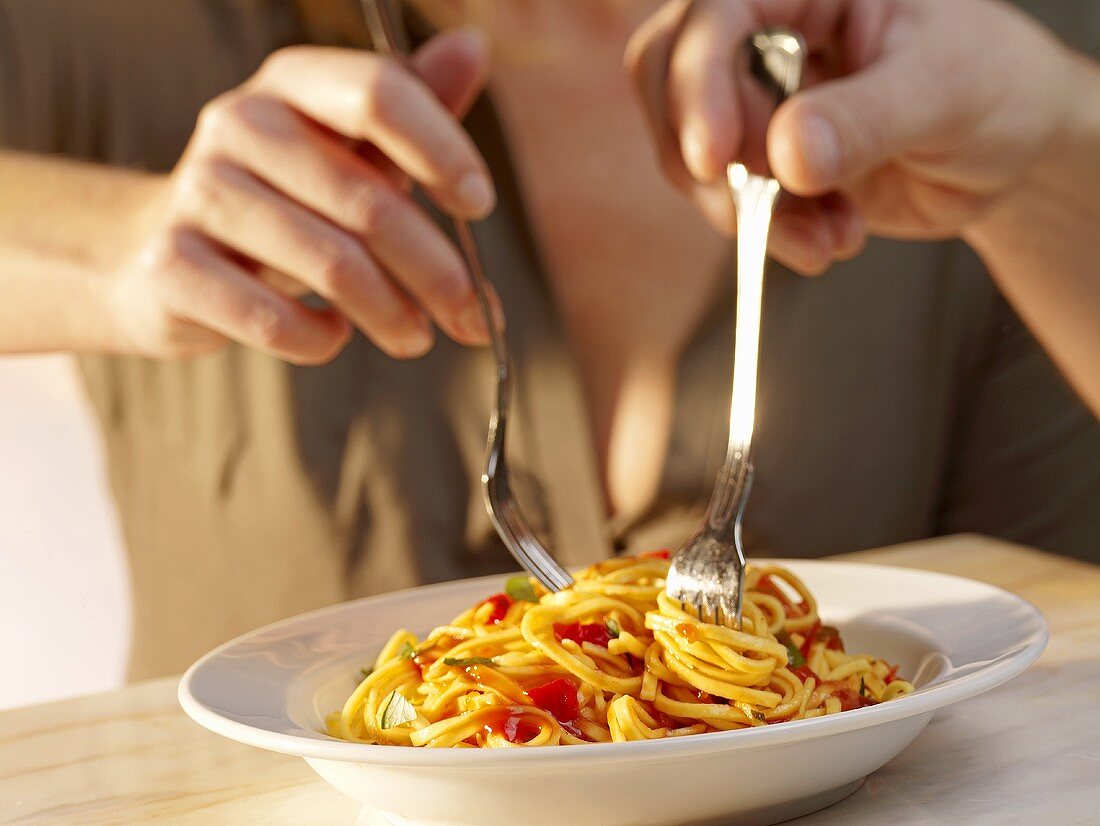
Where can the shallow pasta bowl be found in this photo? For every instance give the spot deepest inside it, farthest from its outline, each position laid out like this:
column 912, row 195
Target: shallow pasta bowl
column 954, row 637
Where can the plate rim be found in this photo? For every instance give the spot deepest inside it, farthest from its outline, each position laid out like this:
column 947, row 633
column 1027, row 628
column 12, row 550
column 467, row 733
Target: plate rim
column 925, row 701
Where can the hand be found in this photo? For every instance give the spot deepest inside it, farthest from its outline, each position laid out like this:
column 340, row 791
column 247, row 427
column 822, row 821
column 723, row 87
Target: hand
column 298, row 181
column 917, row 116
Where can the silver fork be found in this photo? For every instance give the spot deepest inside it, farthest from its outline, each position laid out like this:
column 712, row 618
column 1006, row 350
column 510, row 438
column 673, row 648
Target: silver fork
column 500, row 501
column 707, row 575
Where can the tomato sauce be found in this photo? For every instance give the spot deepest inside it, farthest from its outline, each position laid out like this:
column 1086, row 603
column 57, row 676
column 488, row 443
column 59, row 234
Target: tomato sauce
column 850, row 700
column 821, row 633
column 804, row 673
column 766, row 585
column 688, row 631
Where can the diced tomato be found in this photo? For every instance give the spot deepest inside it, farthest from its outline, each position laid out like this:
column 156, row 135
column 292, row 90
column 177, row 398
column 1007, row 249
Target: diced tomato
column 516, row 726
column 804, row 672
column 663, row 553
column 852, row 699
column 559, row 697
column 821, row 633
column 593, row 632
column 891, row 675
column 501, row 603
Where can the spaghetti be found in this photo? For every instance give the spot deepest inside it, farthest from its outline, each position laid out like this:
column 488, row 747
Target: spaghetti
column 611, row 659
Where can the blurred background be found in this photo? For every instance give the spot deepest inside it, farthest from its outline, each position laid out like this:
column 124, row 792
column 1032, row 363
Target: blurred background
column 63, row 583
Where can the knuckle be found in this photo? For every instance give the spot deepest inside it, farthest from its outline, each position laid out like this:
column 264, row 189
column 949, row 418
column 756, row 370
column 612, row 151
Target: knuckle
column 284, row 58
column 219, row 116
column 448, row 288
column 372, row 210
column 202, row 185
column 381, row 93
column 172, row 251
column 264, row 116
column 871, row 121
column 339, row 269
column 269, row 325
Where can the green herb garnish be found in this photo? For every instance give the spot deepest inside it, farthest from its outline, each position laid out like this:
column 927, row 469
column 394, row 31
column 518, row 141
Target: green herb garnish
column 468, row 661
column 407, row 651
column 364, row 673
column 613, row 628
column 862, row 688
column 396, row 711
column 759, row 716
column 519, row 588
column 794, row 656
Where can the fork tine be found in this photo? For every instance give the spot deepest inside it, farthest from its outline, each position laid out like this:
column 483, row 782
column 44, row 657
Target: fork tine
column 529, row 551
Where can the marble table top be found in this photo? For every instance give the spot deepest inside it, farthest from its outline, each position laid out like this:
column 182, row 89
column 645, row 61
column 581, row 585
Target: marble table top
column 1027, row 752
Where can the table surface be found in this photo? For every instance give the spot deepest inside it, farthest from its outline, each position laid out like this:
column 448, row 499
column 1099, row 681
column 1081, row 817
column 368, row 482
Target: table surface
column 1027, row 752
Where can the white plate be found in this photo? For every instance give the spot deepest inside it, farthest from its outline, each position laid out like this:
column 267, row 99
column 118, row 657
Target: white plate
column 273, row 687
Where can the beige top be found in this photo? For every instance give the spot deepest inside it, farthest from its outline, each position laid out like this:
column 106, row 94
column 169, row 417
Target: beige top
column 899, row 397
column 131, row 756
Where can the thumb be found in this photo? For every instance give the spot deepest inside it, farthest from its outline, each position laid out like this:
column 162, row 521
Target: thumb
column 839, row 130
column 454, row 65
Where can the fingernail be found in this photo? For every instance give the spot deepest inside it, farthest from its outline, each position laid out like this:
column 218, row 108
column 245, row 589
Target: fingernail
column 821, row 148
column 418, row 341
column 476, row 194
column 471, row 323
column 693, row 144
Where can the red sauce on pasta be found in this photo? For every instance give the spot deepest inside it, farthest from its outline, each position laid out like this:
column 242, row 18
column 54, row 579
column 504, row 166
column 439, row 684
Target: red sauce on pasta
column 688, row 631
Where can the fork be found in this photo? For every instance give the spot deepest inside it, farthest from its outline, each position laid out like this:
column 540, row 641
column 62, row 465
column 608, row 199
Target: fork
column 500, row 501
column 707, row 575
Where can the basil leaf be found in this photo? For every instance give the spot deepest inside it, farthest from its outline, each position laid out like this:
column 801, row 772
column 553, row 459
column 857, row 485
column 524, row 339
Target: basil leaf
column 396, row 711
column 862, row 688
column 407, row 652
column 613, row 628
column 364, row 673
column 519, row 588
column 467, row 661
column 794, row 656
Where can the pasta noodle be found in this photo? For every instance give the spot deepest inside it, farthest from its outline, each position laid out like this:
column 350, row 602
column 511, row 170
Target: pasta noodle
column 611, row 659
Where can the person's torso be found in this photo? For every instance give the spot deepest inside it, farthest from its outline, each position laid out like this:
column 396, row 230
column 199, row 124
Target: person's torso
column 898, row 396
